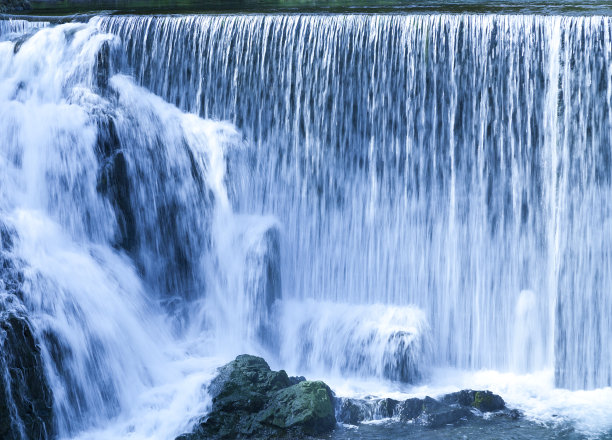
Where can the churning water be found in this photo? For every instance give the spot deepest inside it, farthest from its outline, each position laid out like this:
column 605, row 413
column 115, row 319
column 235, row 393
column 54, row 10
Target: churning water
column 395, row 200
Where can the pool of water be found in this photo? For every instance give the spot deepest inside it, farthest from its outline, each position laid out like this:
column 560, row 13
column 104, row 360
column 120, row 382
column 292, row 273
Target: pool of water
column 483, row 429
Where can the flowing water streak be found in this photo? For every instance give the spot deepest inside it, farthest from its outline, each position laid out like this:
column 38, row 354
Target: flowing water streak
column 16, row 26
column 452, row 162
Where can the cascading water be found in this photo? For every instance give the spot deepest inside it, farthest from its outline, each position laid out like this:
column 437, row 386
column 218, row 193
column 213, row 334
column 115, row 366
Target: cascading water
column 405, row 193
column 108, row 194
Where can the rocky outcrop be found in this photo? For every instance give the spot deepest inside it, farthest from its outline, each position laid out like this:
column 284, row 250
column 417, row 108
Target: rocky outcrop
column 449, row 409
column 252, row 401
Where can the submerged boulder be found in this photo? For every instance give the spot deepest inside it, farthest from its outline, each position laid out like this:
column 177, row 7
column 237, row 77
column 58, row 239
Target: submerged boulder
column 252, row 401
column 435, row 414
column 484, row 401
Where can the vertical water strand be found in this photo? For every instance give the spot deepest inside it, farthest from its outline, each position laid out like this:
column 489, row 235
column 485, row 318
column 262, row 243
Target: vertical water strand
column 18, row 27
column 551, row 127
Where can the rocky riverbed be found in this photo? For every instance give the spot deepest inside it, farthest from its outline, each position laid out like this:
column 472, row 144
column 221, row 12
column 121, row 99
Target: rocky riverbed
column 249, row 400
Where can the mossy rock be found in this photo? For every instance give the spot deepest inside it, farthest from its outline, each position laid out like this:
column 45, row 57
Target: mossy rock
column 246, row 384
column 307, row 406
column 486, row 401
column 252, row 401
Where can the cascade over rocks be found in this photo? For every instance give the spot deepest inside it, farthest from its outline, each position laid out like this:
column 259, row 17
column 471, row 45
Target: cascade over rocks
column 263, row 283
column 449, row 409
column 26, row 399
column 485, row 401
column 252, row 401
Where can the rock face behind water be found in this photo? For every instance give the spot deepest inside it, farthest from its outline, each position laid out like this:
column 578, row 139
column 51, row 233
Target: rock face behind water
column 26, row 400
column 252, row 401
column 25, row 397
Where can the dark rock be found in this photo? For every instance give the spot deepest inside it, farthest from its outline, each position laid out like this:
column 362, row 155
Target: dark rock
column 463, row 398
column 307, row 406
column 245, row 384
column 157, row 227
column 351, row 411
column 485, row 401
column 436, row 414
column 6, row 237
column 386, row 407
column 431, row 413
column 296, row 379
column 449, row 409
column 410, row 409
column 252, row 401
column 26, row 401
column 114, row 183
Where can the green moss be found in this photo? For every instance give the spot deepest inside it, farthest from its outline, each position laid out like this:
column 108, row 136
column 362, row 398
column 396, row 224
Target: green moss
column 487, row 401
column 307, row 405
column 250, row 400
column 482, row 400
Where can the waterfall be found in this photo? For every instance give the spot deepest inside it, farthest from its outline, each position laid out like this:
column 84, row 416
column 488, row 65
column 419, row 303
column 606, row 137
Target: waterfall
column 19, row 27
column 448, row 162
column 373, row 196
